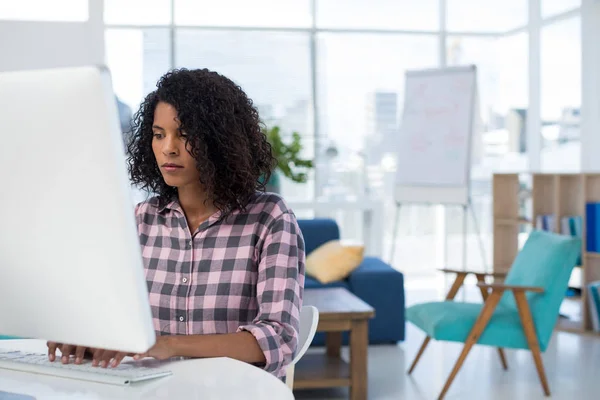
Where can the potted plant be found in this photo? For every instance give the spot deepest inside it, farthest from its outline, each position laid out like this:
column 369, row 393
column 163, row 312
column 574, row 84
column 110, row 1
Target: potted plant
column 289, row 162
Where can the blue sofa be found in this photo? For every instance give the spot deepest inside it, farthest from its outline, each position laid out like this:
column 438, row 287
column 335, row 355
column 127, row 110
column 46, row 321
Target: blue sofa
column 374, row 281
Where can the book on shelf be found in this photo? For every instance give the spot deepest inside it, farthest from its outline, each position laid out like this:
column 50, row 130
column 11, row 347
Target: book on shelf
column 594, row 303
column 572, row 225
column 545, row 223
column 592, row 227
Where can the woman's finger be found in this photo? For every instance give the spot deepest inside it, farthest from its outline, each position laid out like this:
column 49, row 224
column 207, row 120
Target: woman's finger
column 117, row 359
column 66, row 351
column 89, row 353
column 106, row 357
column 97, row 357
column 79, row 354
column 52, row 346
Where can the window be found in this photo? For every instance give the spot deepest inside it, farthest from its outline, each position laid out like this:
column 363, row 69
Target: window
column 44, row 10
column 136, row 59
column 486, row 15
column 137, row 12
column 554, row 7
column 274, row 71
column 502, row 87
column 360, row 61
column 260, row 13
column 561, row 95
column 358, row 95
column 503, row 99
column 379, row 14
column 360, row 88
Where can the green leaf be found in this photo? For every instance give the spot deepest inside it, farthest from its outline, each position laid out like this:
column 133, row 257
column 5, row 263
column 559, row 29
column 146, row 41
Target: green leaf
column 287, row 155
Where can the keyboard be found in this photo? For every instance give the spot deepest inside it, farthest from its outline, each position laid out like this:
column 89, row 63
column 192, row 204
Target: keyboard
column 124, row 374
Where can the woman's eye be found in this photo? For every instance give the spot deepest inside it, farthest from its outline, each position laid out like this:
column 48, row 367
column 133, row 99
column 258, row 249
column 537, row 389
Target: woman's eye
column 157, row 135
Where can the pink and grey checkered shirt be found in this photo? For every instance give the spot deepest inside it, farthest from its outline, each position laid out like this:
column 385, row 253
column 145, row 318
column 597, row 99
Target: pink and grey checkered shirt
column 244, row 272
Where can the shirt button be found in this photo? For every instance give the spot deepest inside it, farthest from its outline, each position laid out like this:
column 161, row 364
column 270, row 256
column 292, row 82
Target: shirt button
column 181, row 319
column 184, row 280
column 189, row 243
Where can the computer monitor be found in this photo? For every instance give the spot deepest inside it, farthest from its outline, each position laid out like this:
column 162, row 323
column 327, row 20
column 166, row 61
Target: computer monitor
column 70, row 260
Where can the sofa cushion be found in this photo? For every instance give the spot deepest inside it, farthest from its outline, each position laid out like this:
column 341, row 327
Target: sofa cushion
column 317, row 232
column 333, row 261
column 375, row 265
column 311, row 283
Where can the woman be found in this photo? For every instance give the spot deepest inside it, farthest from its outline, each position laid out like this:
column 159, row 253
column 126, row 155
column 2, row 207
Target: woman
column 224, row 261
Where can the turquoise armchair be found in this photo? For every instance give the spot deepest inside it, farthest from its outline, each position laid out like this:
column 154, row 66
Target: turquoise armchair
column 518, row 314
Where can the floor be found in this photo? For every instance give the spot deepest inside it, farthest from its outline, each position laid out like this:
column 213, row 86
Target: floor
column 572, row 366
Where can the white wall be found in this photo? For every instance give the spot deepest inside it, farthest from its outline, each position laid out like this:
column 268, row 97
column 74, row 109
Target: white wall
column 34, row 44
column 590, row 86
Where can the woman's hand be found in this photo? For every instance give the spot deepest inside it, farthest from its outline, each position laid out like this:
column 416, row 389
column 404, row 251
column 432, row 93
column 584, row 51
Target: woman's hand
column 100, row 358
column 67, row 350
column 162, row 349
column 104, row 358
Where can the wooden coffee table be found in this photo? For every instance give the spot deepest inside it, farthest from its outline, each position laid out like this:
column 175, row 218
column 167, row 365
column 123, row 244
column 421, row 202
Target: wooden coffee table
column 339, row 311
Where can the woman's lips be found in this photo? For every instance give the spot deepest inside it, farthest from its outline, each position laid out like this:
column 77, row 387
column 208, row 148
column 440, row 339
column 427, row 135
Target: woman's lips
column 171, row 167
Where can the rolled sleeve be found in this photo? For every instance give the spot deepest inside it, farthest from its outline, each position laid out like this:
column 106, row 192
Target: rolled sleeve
column 279, row 289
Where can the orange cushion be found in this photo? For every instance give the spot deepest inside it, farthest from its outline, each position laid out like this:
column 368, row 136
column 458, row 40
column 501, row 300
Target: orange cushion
column 334, row 261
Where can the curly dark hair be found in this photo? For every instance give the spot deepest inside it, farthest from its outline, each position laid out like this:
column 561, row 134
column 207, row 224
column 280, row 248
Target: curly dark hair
column 224, row 135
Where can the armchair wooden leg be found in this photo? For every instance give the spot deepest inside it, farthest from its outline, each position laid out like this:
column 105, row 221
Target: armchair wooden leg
column 485, row 294
column 502, row 358
column 532, row 340
column 458, row 281
column 419, row 354
column 480, row 324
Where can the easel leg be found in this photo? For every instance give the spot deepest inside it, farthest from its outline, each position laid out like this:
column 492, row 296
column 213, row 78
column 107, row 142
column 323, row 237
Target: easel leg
column 445, row 236
column 479, row 237
column 465, row 232
column 395, row 233
column 464, row 254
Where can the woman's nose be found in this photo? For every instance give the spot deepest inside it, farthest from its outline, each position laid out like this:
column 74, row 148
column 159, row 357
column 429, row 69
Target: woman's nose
column 170, row 147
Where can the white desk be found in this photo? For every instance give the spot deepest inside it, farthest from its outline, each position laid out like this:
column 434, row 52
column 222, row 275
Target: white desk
column 207, row 379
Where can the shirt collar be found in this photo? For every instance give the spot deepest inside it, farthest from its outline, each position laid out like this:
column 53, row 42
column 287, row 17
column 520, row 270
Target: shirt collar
column 174, row 205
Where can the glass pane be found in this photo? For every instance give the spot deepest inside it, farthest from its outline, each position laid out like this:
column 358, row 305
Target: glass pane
column 137, row 12
column 274, row 71
column 267, row 13
column 44, row 10
column 379, row 14
column 486, row 15
column 500, row 143
column 360, row 92
column 553, row 7
column 561, row 95
column 136, row 58
column 502, row 83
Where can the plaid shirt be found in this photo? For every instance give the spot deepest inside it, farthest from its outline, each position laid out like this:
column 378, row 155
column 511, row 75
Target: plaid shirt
column 240, row 273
